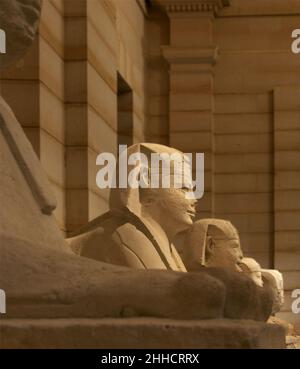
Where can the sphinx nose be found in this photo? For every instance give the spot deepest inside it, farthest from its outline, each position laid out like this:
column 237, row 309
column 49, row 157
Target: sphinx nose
column 193, row 202
column 192, row 206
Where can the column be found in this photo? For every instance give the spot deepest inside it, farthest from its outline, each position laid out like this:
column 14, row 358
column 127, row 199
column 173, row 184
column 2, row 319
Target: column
column 191, row 55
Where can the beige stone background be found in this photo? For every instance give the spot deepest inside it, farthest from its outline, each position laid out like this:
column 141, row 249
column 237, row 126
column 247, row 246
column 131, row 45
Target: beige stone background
column 223, row 82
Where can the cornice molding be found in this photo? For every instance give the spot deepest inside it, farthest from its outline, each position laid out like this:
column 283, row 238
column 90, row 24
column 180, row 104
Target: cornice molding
column 192, row 6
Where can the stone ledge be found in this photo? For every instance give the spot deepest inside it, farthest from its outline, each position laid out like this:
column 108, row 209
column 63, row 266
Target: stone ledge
column 139, row 333
column 184, row 6
column 185, row 55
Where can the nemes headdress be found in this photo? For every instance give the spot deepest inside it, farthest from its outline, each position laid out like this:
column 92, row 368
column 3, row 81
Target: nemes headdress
column 129, row 198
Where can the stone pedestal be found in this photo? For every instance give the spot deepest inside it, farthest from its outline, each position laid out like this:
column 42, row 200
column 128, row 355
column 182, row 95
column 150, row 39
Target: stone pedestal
column 140, row 333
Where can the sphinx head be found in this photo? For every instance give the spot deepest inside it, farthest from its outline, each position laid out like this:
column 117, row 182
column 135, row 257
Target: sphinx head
column 213, row 243
column 162, row 192
column 251, row 267
column 19, row 20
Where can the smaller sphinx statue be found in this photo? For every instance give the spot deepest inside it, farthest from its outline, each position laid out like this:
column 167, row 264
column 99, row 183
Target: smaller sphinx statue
column 274, row 280
column 213, row 243
column 265, row 277
column 251, row 267
column 216, row 243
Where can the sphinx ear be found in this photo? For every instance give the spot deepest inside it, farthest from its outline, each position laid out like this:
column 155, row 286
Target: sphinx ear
column 210, row 246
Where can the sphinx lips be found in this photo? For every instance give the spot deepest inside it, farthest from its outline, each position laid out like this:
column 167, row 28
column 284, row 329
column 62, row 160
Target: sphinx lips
column 191, row 213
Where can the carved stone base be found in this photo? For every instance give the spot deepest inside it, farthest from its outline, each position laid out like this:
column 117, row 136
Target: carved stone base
column 137, row 333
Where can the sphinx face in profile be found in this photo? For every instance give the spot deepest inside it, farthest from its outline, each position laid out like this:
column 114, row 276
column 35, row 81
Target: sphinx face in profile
column 19, row 20
column 171, row 207
column 223, row 252
column 213, row 243
column 251, row 267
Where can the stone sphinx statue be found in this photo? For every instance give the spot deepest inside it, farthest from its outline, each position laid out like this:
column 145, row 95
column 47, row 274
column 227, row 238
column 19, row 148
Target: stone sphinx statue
column 43, row 278
column 139, row 228
column 216, row 243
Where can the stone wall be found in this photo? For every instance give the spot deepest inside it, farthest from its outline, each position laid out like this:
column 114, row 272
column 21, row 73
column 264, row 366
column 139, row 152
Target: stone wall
column 64, row 93
column 257, row 133
column 157, row 83
column 287, row 187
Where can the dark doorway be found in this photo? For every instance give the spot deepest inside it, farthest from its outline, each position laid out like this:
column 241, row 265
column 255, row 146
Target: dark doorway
column 125, row 113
